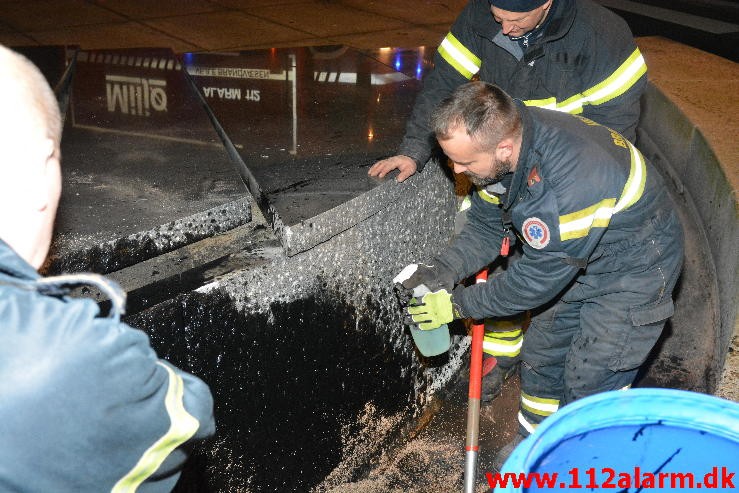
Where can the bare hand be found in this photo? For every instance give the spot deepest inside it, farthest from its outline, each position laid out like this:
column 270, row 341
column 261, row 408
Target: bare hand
column 406, row 165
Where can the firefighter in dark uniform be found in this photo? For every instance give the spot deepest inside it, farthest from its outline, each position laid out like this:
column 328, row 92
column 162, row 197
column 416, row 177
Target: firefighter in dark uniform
column 602, row 245
column 573, row 56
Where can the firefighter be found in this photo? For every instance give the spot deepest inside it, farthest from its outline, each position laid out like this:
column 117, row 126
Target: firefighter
column 602, row 245
column 573, row 56
column 86, row 404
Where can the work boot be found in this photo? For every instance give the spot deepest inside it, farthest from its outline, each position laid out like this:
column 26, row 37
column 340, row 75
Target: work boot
column 506, row 451
column 492, row 381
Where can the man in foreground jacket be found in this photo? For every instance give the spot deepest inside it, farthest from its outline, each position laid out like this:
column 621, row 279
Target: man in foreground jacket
column 85, row 404
column 573, row 56
column 602, row 245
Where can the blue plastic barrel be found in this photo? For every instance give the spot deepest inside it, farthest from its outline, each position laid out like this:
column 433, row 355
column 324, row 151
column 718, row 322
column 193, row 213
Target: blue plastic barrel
column 629, row 441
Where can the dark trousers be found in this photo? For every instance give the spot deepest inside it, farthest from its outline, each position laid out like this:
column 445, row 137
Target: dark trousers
column 595, row 337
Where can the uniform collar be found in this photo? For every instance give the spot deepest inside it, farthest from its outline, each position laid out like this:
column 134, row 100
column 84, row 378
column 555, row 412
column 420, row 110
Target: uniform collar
column 525, row 155
column 559, row 21
column 13, row 265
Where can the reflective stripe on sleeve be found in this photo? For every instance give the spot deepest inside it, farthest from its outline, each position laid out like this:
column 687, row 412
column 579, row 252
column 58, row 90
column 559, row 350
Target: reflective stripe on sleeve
column 182, row 427
column 458, row 56
column 539, row 405
column 578, row 224
column 634, row 187
column 620, row 81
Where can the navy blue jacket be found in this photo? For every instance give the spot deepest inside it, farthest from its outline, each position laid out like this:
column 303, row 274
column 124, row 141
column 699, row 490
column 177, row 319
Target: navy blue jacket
column 584, row 61
column 577, row 187
column 85, row 404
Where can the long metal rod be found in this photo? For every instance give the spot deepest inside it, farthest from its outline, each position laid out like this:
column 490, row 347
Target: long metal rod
column 473, row 402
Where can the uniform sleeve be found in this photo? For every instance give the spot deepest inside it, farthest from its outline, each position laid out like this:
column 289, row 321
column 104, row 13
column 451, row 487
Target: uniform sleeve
column 87, row 404
column 478, row 244
column 455, row 62
column 616, row 79
column 156, row 411
column 561, row 224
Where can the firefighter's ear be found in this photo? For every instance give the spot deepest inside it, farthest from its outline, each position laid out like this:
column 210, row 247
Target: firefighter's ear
column 504, row 150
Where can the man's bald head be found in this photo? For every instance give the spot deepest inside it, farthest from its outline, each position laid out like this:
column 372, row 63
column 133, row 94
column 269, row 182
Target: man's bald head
column 27, row 103
column 30, row 176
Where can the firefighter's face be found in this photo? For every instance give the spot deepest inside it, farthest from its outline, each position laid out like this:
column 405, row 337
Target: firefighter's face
column 516, row 24
column 482, row 167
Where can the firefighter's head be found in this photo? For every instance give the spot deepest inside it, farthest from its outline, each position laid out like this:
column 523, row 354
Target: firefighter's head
column 479, row 128
column 519, row 17
column 30, row 175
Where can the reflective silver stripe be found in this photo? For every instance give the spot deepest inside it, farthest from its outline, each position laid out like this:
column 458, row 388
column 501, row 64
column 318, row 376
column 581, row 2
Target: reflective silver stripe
column 635, row 184
column 466, row 204
column 502, row 349
column 459, row 57
column 611, row 87
column 578, row 224
column 530, row 427
column 182, row 427
column 539, row 405
column 622, row 79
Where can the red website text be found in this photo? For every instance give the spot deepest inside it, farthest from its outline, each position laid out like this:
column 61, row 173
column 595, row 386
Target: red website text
column 606, row 477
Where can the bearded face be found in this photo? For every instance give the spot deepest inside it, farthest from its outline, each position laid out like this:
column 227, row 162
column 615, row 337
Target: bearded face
column 482, row 167
column 497, row 170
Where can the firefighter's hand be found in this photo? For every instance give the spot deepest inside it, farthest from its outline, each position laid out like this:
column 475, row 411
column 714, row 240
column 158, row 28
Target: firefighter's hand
column 404, row 164
column 434, row 277
column 432, row 310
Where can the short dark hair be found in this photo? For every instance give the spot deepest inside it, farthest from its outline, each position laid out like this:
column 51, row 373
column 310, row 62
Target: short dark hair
column 485, row 111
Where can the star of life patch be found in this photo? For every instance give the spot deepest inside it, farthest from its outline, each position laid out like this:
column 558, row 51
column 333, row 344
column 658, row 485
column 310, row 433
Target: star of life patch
column 536, row 233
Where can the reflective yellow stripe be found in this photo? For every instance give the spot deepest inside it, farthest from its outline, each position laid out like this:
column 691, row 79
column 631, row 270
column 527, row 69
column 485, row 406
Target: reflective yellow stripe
column 620, row 81
column 634, row 187
column 488, row 197
column 578, row 224
column 530, row 427
column 459, row 57
column 500, row 325
column 500, row 335
column 182, row 426
column 625, row 388
column 548, row 103
column 613, row 86
column 539, row 405
column 501, row 347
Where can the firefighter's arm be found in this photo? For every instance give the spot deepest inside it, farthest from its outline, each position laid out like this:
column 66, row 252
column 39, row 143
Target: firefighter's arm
column 455, row 62
column 157, row 411
column 616, row 81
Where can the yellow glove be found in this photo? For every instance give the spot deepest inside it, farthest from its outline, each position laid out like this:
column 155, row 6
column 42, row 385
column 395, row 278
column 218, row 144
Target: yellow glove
column 433, row 310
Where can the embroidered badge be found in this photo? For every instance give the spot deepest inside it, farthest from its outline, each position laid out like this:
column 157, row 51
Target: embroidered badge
column 534, row 177
column 536, row 232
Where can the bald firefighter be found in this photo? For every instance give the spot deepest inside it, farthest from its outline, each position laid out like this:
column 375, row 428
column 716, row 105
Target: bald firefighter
column 85, row 404
column 602, row 245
